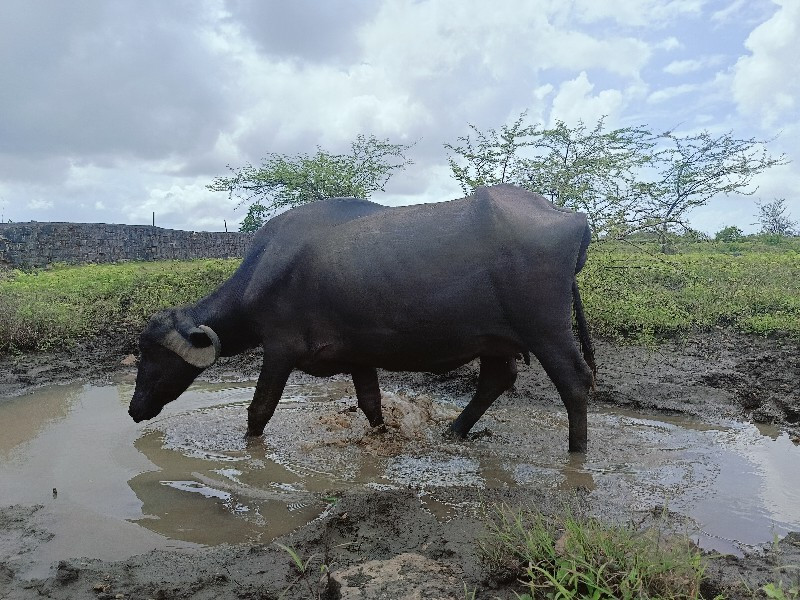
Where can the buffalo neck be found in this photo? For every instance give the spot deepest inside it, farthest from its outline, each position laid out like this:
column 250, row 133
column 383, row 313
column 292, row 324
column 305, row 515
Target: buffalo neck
column 221, row 312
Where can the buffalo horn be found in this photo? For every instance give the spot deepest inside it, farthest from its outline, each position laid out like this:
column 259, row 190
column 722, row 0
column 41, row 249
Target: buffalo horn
column 197, row 356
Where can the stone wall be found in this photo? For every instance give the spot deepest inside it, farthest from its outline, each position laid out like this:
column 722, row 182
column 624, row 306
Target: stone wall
column 28, row 245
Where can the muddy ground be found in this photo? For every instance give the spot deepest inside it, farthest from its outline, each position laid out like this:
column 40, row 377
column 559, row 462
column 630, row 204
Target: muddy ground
column 386, row 544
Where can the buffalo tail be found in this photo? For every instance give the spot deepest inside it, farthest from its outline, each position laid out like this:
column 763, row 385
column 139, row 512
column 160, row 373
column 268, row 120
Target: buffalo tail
column 587, row 349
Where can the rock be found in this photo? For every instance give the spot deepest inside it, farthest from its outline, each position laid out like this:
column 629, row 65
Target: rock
column 65, row 572
column 407, row 576
column 129, row 360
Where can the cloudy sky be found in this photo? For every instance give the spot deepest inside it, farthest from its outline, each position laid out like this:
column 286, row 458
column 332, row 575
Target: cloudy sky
column 111, row 110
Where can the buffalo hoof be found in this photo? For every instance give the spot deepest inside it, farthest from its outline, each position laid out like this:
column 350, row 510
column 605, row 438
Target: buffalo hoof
column 378, row 429
column 254, row 442
column 451, row 434
column 252, row 437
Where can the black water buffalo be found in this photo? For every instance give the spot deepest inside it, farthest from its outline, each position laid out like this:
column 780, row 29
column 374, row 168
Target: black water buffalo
column 348, row 286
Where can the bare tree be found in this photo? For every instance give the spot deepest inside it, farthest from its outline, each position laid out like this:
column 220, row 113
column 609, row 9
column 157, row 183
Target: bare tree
column 774, row 219
column 696, row 168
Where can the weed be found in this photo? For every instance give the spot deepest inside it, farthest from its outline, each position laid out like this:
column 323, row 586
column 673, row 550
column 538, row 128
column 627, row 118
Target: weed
column 778, row 592
column 320, row 588
column 568, row 558
column 631, row 294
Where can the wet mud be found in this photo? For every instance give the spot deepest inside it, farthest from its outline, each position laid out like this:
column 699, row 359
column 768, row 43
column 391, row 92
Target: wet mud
column 95, row 506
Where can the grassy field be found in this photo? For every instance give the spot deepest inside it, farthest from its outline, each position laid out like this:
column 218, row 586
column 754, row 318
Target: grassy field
column 631, row 292
column 53, row 308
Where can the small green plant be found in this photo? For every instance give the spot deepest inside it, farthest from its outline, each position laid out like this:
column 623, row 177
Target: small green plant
column 300, row 564
column 778, row 592
column 567, row 557
column 321, row 587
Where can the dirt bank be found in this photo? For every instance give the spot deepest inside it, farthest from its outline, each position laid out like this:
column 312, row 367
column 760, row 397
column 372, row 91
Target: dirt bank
column 387, row 543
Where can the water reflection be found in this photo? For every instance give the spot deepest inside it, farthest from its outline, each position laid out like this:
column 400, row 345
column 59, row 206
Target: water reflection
column 24, row 417
column 255, row 500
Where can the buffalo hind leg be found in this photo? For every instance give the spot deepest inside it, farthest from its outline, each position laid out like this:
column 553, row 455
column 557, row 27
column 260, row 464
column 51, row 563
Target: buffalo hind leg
column 268, row 392
column 365, row 380
column 497, row 374
column 566, row 367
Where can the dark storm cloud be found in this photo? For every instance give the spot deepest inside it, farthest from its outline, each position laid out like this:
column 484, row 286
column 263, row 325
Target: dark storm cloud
column 305, row 29
column 96, row 79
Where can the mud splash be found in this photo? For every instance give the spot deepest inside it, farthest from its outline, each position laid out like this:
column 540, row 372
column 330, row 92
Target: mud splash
column 112, row 489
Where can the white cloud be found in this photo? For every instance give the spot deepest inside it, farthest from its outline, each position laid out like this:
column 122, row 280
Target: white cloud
column 729, row 12
column 668, row 44
column 668, row 93
column 638, row 13
column 172, row 202
column 574, row 101
column 766, row 83
column 117, row 111
column 40, row 204
column 683, row 67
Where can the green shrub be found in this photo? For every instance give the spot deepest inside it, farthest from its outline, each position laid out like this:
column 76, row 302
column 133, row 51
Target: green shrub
column 729, row 234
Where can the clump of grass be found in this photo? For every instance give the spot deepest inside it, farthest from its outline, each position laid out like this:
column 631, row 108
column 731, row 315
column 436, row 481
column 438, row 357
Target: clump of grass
column 47, row 309
column 569, row 557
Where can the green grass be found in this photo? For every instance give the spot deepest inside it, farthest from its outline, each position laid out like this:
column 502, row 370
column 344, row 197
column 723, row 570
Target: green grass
column 53, row 308
column 630, row 293
column 566, row 557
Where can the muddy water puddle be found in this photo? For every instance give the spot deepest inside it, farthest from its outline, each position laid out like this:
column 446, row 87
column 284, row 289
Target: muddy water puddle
column 111, row 488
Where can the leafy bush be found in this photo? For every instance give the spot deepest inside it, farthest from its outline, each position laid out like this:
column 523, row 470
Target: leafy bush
column 729, row 234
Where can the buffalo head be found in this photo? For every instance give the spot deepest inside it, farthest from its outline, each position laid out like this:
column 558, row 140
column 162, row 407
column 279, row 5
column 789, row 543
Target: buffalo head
column 173, row 352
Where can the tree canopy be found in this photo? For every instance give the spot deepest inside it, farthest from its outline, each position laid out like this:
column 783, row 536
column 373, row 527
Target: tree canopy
column 283, row 181
column 626, row 179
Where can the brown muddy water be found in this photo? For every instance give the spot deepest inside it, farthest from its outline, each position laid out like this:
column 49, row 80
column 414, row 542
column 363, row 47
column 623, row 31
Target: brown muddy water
column 112, row 489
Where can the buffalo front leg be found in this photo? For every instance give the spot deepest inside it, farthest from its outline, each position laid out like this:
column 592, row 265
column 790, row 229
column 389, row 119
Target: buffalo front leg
column 365, row 380
column 268, row 392
column 497, row 374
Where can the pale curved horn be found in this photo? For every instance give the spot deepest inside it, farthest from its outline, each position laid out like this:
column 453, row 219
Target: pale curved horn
column 198, row 356
column 212, row 335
